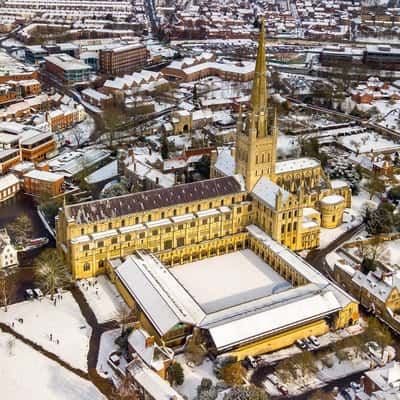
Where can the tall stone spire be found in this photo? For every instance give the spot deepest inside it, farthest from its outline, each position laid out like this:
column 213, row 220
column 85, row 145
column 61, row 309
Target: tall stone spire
column 256, row 144
column 258, row 101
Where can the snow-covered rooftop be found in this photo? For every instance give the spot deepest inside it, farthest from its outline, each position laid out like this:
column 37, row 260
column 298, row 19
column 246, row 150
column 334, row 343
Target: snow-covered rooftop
column 295, row 165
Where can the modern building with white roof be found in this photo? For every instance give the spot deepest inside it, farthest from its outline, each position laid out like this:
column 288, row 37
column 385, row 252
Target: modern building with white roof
column 268, row 290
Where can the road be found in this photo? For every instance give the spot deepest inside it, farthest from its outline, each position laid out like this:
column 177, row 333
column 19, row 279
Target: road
column 366, row 123
column 152, row 14
column 317, row 257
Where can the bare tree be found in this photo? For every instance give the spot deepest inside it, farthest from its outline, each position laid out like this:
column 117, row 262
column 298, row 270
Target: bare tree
column 125, row 391
column 50, row 272
column 375, row 185
column 7, row 289
column 113, row 118
column 20, row 230
column 125, row 316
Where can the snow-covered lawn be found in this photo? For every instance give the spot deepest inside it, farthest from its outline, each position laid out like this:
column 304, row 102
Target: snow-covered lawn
column 368, row 141
column 64, row 321
column 79, row 133
column 103, row 298
column 107, row 346
column 26, row 373
column 193, row 376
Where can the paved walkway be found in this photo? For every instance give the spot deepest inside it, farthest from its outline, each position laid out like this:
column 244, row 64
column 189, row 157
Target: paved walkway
column 317, row 257
column 104, row 385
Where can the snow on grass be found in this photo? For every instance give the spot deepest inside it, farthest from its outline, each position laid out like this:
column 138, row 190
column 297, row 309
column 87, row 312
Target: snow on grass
column 103, row 298
column 366, row 142
column 79, row 133
column 193, row 376
column 107, row 346
column 64, row 321
column 25, row 372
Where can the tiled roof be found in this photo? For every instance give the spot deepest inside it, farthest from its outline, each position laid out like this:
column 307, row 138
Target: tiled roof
column 145, row 201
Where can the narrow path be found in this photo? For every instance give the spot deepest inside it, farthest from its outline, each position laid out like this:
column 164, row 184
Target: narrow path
column 5, row 328
column 103, row 384
column 317, row 257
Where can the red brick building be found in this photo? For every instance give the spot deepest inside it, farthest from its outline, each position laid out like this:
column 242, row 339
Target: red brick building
column 123, row 60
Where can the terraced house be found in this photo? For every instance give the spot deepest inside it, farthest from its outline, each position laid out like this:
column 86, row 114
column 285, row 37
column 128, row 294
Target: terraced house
column 253, row 204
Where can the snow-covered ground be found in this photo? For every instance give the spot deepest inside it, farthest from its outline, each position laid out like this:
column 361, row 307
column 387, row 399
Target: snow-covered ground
column 64, row 321
column 337, row 369
column 367, row 142
column 26, row 373
column 107, row 346
column 79, row 133
column 193, row 376
column 324, row 340
column 103, row 298
column 352, row 217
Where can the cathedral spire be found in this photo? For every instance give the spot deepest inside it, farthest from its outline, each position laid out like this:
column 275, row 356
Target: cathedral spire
column 258, row 102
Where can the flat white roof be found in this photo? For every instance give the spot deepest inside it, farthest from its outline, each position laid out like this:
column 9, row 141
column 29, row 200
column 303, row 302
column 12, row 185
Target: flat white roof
column 280, row 317
column 244, row 274
column 43, row 176
column 295, row 165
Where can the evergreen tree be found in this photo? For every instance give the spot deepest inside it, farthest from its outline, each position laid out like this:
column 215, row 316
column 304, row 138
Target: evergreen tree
column 246, row 393
column 164, row 148
column 175, row 374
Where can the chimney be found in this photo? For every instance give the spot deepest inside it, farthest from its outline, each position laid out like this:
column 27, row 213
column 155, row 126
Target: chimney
column 131, row 153
column 157, row 180
column 137, row 325
column 149, row 341
column 233, row 152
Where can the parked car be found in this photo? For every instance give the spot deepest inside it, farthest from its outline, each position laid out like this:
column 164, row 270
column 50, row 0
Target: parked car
column 272, row 378
column 300, row 343
column 283, row 389
column 355, row 386
column 345, row 394
column 28, row 294
column 314, row 341
column 38, row 293
column 308, row 342
column 251, row 362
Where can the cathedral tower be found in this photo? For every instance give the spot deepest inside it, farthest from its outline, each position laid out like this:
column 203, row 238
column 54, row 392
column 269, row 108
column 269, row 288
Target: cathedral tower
column 255, row 142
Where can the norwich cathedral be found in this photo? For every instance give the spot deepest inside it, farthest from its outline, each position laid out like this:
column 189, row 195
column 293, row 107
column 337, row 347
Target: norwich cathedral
column 254, row 213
